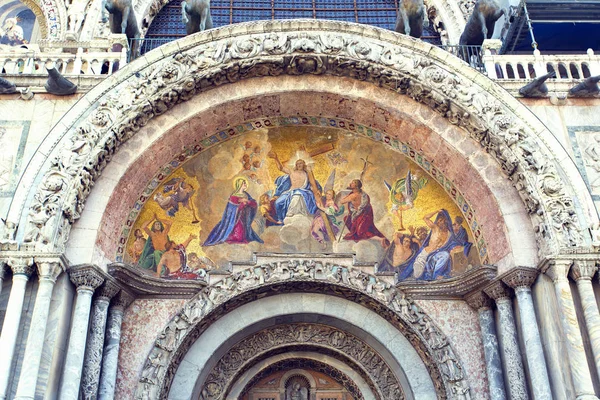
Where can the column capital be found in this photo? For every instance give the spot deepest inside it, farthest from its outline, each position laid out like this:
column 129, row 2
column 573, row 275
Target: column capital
column 49, row 268
column 21, row 265
column 559, row 269
column 583, row 269
column 520, row 277
column 123, row 300
column 497, row 290
column 86, row 277
column 479, row 300
column 107, row 290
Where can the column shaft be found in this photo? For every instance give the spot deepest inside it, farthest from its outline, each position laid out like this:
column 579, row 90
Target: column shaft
column 538, row 372
column 69, row 389
column 35, row 341
column 110, row 360
column 93, row 353
column 10, row 329
column 592, row 317
column 510, row 347
column 493, row 362
column 582, row 380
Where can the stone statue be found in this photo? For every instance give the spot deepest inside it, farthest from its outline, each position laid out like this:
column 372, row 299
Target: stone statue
column 411, row 18
column 58, row 84
column 196, row 15
column 481, row 23
column 7, row 87
column 122, row 19
column 76, row 11
column 589, row 87
column 297, row 392
column 537, row 87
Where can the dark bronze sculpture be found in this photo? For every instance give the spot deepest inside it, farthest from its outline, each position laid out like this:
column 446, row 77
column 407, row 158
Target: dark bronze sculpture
column 480, row 25
column 122, row 17
column 196, row 15
column 537, row 87
column 7, row 87
column 411, row 18
column 58, row 84
column 587, row 88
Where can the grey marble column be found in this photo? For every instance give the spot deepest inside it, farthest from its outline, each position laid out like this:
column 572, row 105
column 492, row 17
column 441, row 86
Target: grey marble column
column 580, row 373
column 521, row 279
column 86, row 278
column 95, row 343
column 110, row 358
column 493, row 363
column 2, row 273
column 49, row 268
column 22, row 268
column 509, row 344
column 582, row 272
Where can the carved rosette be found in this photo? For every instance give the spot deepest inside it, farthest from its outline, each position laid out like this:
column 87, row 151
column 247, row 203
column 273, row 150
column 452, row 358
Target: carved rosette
column 498, row 291
column 21, row 265
column 479, row 300
column 236, row 289
column 86, row 277
column 583, row 269
column 520, row 278
column 298, row 48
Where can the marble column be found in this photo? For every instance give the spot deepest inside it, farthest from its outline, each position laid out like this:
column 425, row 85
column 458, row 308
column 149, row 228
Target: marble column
column 86, row 278
column 49, row 268
column 521, row 279
column 2, row 272
column 509, row 344
column 580, row 373
column 110, row 358
column 582, row 272
column 493, row 363
column 22, row 268
column 95, row 343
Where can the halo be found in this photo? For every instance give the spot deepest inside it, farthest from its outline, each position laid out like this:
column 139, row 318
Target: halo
column 301, row 155
column 239, row 178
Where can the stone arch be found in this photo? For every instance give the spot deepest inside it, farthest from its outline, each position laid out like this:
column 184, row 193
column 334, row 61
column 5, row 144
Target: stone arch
column 51, row 15
column 255, row 284
column 56, row 183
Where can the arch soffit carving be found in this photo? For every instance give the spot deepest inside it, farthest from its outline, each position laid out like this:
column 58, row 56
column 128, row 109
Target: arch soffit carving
column 83, row 142
column 303, row 276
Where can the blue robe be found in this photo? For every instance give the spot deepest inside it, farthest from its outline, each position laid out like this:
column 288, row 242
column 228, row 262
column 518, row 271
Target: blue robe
column 284, row 196
column 404, row 269
column 233, row 214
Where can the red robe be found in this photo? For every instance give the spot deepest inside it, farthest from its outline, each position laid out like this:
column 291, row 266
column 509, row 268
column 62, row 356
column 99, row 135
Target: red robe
column 360, row 222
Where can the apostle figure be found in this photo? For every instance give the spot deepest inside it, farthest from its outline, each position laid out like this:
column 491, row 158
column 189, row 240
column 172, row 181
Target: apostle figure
column 236, row 224
column 359, row 221
column 295, row 191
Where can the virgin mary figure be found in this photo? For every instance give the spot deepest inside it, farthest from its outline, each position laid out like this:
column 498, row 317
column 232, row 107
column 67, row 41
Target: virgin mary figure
column 236, row 224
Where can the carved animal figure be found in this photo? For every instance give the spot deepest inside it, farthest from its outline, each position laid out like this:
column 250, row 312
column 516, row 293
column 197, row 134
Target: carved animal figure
column 7, row 87
column 58, row 84
column 537, row 87
column 481, row 23
column 411, row 18
column 122, row 17
column 589, row 87
column 196, row 15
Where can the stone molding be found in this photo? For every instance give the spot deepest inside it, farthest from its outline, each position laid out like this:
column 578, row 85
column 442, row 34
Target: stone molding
column 299, row 276
column 479, row 300
column 498, row 291
column 86, row 277
column 583, row 269
column 520, row 277
column 286, row 337
column 150, row 86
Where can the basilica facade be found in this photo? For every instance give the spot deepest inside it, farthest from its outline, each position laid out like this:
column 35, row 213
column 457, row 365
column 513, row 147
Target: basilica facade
column 295, row 203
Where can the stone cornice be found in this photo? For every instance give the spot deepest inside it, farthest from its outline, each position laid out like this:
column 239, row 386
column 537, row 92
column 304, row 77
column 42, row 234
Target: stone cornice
column 520, row 277
column 143, row 285
column 498, row 291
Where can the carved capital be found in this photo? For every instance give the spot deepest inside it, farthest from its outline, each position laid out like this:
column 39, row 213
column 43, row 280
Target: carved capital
column 21, row 265
column 49, row 268
column 583, row 269
column 479, row 300
column 108, row 290
column 520, row 277
column 558, row 270
column 122, row 300
column 498, row 291
column 86, row 277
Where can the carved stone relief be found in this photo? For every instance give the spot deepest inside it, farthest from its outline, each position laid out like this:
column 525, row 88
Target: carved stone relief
column 280, row 277
column 153, row 90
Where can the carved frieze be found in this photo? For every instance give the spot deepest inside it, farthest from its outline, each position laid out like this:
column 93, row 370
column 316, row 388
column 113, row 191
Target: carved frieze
column 176, row 78
column 305, row 276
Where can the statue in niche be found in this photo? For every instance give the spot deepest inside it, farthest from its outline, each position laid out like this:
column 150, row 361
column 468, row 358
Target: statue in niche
column 296, row 392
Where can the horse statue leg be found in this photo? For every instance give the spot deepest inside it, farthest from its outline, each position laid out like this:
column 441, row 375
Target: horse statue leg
column 204, row 16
